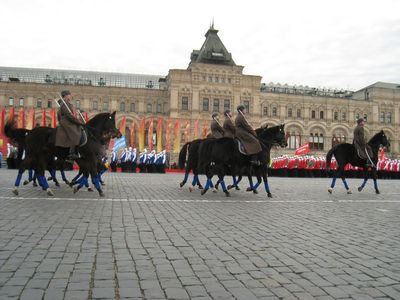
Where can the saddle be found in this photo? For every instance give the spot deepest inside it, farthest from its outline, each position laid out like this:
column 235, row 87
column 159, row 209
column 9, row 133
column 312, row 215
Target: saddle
column 83, row 140
column 240, row 146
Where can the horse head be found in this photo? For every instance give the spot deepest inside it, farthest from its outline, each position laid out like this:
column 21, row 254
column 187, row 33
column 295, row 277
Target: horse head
column 273, row 135
column 104, row 124
column 379, row 139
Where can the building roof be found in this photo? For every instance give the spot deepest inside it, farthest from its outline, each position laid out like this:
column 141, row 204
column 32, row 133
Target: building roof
column 213, row 51
column 74, row 77
column 385, row 85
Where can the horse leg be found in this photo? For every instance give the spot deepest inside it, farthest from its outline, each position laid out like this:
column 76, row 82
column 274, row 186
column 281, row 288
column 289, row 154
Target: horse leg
column 185, row 178
column 64, row 178
column 21, row 171
column 346, row 186
column 42, row 180
column 208, row 184
column 217, row 184
column 198, row 182
column 375, row 178
column 30, row 177
column 80, row 182
column 96, row 182
column 250, row 188
column 360, row 188
column 266, row 185
column 53, row 176
column 74, row 180
column 255, row 186
column 222, row 182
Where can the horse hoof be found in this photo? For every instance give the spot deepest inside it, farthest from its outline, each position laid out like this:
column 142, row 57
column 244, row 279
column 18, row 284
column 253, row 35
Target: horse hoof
column 215, row 190
column 35, row 184
column 190, row 189
column 203, row 192
column 67, row 182
column 76, row 190
column 200, row 187
column 237, row 188
column 50, row 192
column 49, row 178
column 255, row 191
column 90, row 189
column 15, row 192
column 181, row 184
column 26, row 182
column 330, row 190
column 57, row 184
column 377, row 192
column 227, row 194
column 249, row 189
column 360, row 189
column 102, row 183
column 101, row 194
column 229, row 187
column 269, row 195
column 349, row 192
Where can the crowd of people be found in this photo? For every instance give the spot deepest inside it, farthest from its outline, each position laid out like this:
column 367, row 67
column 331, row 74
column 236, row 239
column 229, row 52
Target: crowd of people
column 315, row 166
column 146, row 162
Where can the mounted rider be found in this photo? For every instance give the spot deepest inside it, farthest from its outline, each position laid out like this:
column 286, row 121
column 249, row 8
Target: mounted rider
column 216, row 129
column 228, row 126
column 364, row 151
column 246, row 134
column 69, row 131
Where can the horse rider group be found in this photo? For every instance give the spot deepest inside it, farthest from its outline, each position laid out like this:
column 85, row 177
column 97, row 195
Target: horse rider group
column 240, row 129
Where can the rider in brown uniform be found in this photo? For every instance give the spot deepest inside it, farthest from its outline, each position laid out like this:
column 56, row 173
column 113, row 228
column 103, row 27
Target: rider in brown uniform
column 363, row 149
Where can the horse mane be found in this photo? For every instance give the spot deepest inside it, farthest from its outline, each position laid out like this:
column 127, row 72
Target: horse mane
column 99, row 118
column 266, row 132
column 374, row 139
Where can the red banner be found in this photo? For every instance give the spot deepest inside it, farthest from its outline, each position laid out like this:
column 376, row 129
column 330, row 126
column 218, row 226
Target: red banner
column 177, row 136
column 141, row 134
column 302, row 150
column 168, row 136
column 44, row 121
column 159, row 134
column 11, row 114
column 196, row 130
column 21, row 118
column 382, row 154
column 30, row 119
column 187, row 132
column 2, row 120
column 204, row 131
column 85, row 116
column 122, row 125
column 132, row 135
column 53, row 117
column 150, row 136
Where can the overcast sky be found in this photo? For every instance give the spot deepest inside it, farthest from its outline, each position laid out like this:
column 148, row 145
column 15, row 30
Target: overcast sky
column 336, row 44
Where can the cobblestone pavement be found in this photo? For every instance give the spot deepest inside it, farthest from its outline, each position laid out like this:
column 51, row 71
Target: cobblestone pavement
column 149, row 239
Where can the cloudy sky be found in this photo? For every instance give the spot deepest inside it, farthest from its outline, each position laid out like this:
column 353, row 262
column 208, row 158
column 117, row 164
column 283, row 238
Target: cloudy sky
column 333, row 43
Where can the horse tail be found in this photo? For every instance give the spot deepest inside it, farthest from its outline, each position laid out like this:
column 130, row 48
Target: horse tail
column 182, row 155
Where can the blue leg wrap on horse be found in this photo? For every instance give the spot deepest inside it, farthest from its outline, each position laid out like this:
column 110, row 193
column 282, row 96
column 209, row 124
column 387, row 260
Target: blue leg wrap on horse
column 30, row 172
column 197, row 179
column 43, row 182
column 185, row 178
column 86, row 182
column 207, row 184
column 63, row 175
column 256, row 185
column 345, row 184
column 18, row 179
column 375, row 184
column 96, row 182
column 53, row 174
column 333, row 182
column 223, row 185
column 364, row 183
column 266, row 185
column 194, row 180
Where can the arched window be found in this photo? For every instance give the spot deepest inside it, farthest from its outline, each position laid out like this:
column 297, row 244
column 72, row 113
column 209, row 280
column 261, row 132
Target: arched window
column 11, row 101
column 293, row 139
column 313, row 114
column 316, row 141
column 274, row 111
column 265, row 111
column 132, row 107
column 149, row 108
column 290, row 112
column 39, row 103
column 105, row 106
column 122, row 106
column 94, row 105
column 335, row 116
column 388, row 117
column 21, row 101
column 321, row 114
column 344, row 116
column 382, row 117
column 298, row 114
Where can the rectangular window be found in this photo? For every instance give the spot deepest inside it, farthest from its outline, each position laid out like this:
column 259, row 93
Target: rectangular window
column 382, row 117
column 274, row 112
column 122, row 106
column 132, row 107
column 335, row 116
column 365, row 117
column 159, row 108
column 21, row 101
column 185, row 103
column 265, row 111
column 38, row 103
column 388, row 117
column 247, row 105
column 321, row 115
column 298, row 113
column 343, row 116
column 49, row 103
column 105, row 106
column 78, row 104
column 227, row 104
column 206, row 104
column 216, row 105
column 289, row 113
column 94, row 105
column 313, row 114
column 11, row 101
column 149, row 108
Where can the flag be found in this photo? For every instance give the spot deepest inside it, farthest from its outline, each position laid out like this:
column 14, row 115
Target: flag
column 21, row 118
column 196, row 130
column 177, row 136
column 30, row 120
column 120, row 143
column 168, row 136
column 111, row 145
column 2, row 120
column 187, row 132
column 53, row 117
column 159, row 134
column 44, row 118
column 11, row 114
column 382, row 154
column 204, row 131
column 141, row 134
column 304, row 149
column 150, row 135
column 132, row 136
column 122, row 125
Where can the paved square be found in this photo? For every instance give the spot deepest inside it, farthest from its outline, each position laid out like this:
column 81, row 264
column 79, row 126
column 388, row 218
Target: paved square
column 150, row 239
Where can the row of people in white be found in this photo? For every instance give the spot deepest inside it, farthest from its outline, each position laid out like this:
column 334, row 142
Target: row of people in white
column 129, row 155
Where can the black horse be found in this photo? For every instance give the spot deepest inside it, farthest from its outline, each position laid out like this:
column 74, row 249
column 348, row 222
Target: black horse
column 346, row 153
column 222, row 156
column 40, row 149
column 188, row 160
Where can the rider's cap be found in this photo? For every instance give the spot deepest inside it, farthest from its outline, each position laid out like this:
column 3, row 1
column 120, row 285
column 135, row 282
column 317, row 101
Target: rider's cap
column 228, row 111
column 65, row 93
column 214, row 115
column 360, row 120
column 241, row 107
